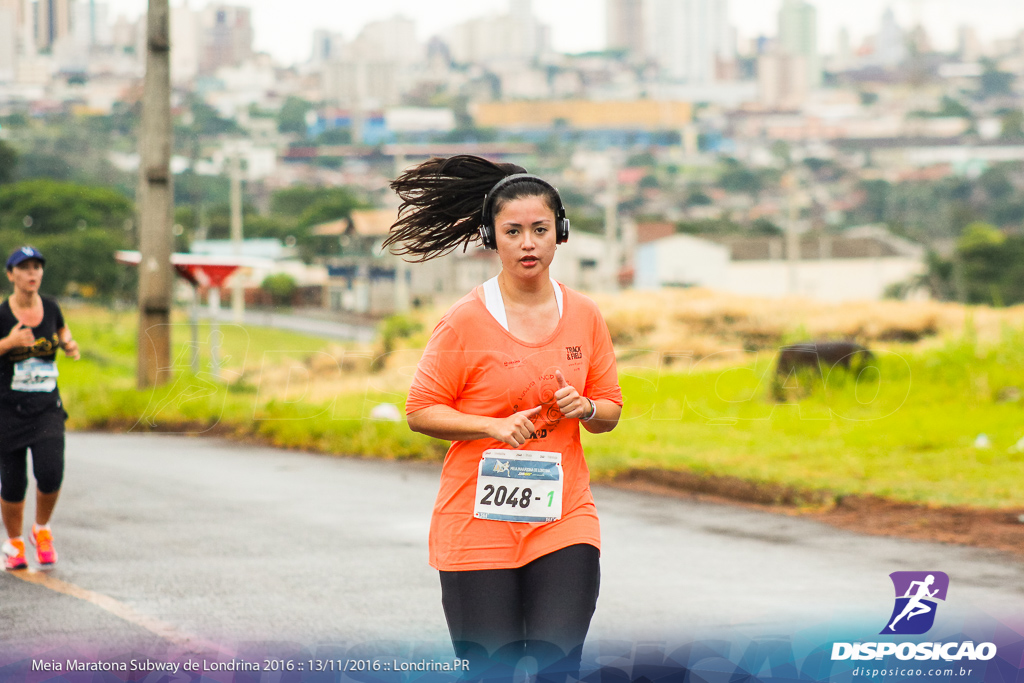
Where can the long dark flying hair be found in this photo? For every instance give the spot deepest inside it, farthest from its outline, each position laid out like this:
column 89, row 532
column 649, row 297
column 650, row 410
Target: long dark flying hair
column 442, row 204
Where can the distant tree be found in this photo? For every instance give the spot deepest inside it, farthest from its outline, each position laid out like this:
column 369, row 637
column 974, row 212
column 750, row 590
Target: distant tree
column 977, row 235
column 697, row 197
column 953, row 107
column 335, row 136
column 738, row 178
column 763, row 226
column 994, row 82
column 938, row 277
column 710, row 226
column 8, row 162
column 649, row 181
column 992, row 265
column 192, row 188
column 45, row 165
column 876, row 197
column 334, row 204
column 292, row 201
column 1013, row 126
column 208, row 122
column 996, row 183
column 82, row 257
column 312, row 205
column 292, row 117
column 47, row 207
column 281, row 288
column 645, row 158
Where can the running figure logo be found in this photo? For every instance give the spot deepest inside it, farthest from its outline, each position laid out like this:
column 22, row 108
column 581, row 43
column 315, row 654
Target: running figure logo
column 916, row 595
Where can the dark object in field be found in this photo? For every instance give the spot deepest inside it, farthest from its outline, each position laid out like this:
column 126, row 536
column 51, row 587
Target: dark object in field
column 814, row 354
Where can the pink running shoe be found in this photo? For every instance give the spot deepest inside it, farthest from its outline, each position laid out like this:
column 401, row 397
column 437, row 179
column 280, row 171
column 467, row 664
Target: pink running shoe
column 14, row 554
column 42, row 539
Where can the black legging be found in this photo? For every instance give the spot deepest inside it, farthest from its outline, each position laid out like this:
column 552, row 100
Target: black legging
column 541, row 610
column 47, row 466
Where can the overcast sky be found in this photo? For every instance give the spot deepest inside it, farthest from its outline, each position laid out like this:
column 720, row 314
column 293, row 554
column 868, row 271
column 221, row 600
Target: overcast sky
column 284, row 27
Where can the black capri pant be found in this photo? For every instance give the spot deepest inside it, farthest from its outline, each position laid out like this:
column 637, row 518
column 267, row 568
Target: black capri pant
column 541, row 610
column 42, row 433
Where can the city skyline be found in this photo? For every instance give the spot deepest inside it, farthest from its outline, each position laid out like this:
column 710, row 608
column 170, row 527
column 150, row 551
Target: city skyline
column 284, row 31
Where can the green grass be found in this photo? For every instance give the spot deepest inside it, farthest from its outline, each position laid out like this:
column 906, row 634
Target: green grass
column 903, row 431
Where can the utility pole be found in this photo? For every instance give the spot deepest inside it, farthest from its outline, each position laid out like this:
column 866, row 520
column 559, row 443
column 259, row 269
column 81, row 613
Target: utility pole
column 611, row 227
column 237, row 288
column 156, row 198
column 401, row 265
column 792, row 183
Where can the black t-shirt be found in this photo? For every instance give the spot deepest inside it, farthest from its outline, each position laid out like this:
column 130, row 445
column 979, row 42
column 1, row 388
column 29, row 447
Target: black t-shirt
column 28, row 375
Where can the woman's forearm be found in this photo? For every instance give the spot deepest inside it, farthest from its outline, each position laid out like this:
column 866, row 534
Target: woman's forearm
column 605, row 419
column 444, row 422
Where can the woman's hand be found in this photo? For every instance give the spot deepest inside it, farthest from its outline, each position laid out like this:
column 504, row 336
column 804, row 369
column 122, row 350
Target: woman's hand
column 516, row 429
column 71, row 349
column 569, row 401
column 20, row 335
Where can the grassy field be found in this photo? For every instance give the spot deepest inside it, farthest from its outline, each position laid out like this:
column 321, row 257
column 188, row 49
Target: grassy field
column 695, row 371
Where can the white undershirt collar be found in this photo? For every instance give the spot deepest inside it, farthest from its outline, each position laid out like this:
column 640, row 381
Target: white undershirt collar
column 496, row 305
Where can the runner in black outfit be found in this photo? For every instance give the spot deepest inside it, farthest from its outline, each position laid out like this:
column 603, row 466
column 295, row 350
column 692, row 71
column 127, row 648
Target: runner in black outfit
column 31, row 411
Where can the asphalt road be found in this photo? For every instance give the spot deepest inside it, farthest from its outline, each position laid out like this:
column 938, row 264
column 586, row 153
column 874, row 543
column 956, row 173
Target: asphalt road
column 325, row 327
column 168, row 542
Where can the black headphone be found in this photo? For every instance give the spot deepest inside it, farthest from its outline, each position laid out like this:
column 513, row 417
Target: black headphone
column 487, row 235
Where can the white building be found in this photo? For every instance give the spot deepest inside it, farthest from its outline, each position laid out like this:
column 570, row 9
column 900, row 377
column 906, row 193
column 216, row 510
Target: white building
column 372, row 71
column 515, row 36
column 688, row 38
column 186, row 43
column 390, row 40
column 798, row 35
column 681, row 261
column 860, row 264
column 782, row 80
column 90, row 24
column 9, row 29
column 891, row 42
column 624, row 26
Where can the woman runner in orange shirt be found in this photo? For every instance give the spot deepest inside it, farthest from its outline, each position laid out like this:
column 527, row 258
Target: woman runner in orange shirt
column 509, row 375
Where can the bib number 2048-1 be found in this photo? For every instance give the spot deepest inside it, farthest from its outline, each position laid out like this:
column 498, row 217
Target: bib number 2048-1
column 519, row 486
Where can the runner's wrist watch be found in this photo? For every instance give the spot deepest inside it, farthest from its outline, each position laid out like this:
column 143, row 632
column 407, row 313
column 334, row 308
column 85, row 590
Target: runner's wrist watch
column 593, row 411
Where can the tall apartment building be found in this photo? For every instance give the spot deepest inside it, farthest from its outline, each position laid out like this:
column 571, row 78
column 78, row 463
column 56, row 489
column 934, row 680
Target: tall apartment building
column 227, row 37
column 327, row 46
column 186, row 43
column 624, row 26
column 90, row 24
column 514, row 36
column 891, row 42
column 52, row 22
column 688, row 38
column 11, row 22
column 374, row 69
column 798, row 36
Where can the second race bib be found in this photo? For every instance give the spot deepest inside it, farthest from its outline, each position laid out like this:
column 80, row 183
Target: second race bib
column 34, row 375
column 519, row 486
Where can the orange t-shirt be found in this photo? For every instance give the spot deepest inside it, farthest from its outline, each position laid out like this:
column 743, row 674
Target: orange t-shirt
column 476, row 366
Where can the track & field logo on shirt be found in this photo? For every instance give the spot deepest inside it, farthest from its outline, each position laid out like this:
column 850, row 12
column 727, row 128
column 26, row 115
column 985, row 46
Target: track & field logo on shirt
column 573, row 352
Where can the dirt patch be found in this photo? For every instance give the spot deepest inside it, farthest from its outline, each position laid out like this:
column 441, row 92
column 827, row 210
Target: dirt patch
column 980, row 528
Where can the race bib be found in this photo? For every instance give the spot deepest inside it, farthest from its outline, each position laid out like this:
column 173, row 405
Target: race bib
column 35, row 375
column 519, row 486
